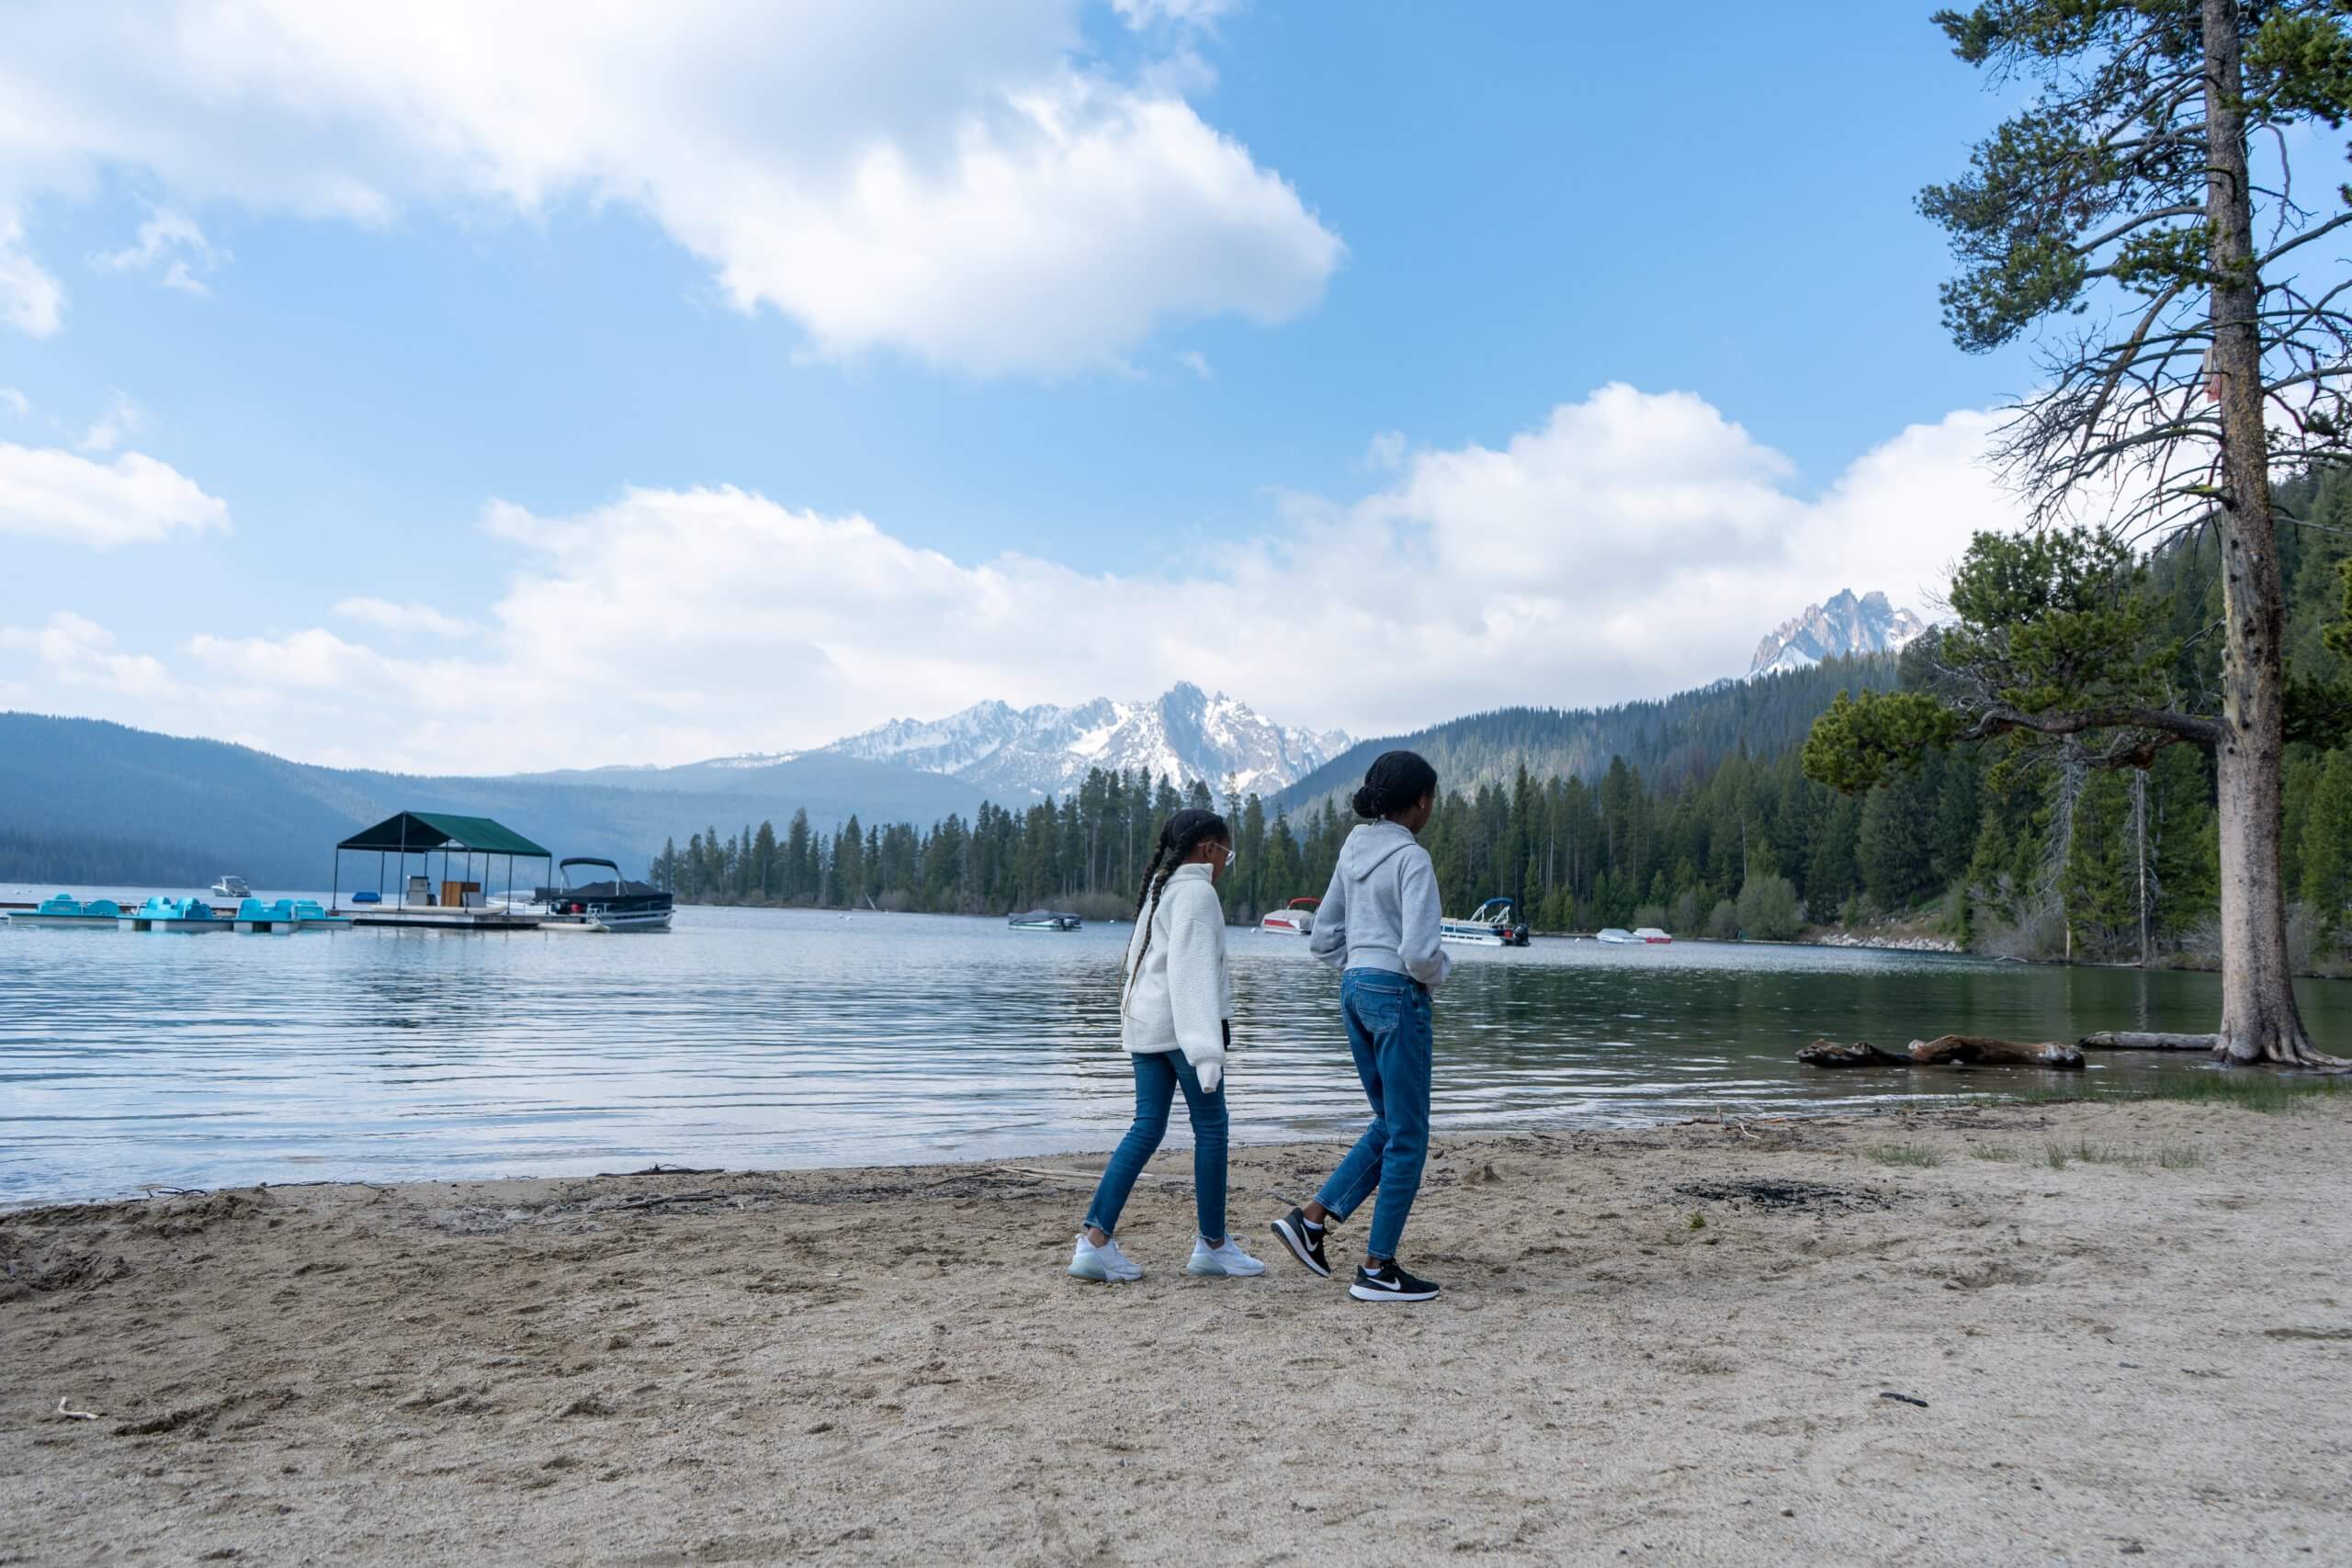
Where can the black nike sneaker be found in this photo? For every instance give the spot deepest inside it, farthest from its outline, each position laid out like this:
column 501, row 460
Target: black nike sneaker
column 1390, row 1283
column 1304, row 1245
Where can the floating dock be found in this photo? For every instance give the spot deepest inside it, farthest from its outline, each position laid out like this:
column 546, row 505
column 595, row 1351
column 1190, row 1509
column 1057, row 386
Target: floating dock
column 443, row 918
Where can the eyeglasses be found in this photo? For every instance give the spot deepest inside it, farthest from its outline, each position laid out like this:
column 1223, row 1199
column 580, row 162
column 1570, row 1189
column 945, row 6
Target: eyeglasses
column 1231, row 855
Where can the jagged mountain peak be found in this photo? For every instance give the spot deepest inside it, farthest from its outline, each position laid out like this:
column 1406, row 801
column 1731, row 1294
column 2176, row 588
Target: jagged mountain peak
column 1184, row 733
column 1847, row 624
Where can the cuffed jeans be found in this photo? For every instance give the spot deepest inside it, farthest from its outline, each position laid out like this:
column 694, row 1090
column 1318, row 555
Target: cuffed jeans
column 1389, row 1032
column 1158, row 1074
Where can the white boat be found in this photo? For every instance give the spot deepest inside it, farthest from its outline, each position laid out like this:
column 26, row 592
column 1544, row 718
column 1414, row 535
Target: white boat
column 231, row 887
column 1295, row 919
column 1647, row 936
column 1494, row 923
column 1044, row 920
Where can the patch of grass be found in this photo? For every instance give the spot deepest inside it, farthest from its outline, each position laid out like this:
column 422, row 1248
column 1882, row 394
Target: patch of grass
column 1698, row 1220
column 2171, row 1156
column 2001, row 1152
column 1906, row 1154
column 2248, row 1088
column 2069, row 1095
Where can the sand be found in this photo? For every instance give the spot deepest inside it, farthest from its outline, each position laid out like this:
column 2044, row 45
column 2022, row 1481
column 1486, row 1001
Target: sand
column 2116, row 1360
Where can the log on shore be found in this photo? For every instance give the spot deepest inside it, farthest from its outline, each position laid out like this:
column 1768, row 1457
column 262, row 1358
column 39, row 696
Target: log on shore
column 1861, row 1054
column 2141, row 1040
column 1977, row 1049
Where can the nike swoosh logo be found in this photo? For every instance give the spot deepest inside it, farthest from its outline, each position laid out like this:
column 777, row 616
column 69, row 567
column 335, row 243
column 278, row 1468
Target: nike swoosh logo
column 1378, row 1283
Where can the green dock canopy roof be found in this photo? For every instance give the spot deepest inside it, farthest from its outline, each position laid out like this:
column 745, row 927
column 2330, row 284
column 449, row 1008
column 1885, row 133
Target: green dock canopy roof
column 419, row 830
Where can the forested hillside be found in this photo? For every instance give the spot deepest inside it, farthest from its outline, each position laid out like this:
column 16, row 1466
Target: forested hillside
column 83, row 801
column 1696, row 816
column 1674, row 741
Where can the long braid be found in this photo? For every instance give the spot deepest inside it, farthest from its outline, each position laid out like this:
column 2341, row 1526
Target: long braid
column 1178, row 836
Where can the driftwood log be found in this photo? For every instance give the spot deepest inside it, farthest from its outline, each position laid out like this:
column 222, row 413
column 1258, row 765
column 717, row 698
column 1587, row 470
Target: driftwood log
column 1975, row 1050
column 2129, row 1040
column 1861, row 1054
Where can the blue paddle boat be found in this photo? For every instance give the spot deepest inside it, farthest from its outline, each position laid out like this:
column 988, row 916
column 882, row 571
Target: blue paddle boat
column 162, row 914
column 309, row 915
column 66, row 912
column 256, row 918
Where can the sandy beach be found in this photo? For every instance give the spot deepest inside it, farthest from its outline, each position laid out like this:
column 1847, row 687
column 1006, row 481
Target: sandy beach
column 1663, row 1345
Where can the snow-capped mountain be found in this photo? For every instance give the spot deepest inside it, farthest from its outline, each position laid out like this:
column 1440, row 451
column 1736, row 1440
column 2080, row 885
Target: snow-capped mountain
column 1184, row 735
column 1845, row 624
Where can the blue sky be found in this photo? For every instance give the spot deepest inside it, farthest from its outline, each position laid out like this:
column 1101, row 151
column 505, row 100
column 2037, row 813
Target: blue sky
column 1280, row 368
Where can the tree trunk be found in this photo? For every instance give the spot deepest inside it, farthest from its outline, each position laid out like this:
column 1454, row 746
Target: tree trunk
column 1969, row 1050
column 2144, row 1040
column 1861, row 1054
column 2259, row 1019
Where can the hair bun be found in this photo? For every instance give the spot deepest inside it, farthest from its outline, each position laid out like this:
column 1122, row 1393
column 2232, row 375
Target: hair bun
column 1395, row 781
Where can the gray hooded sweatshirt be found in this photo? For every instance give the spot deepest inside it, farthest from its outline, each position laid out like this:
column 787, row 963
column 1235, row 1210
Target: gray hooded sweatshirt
column 1382, row 909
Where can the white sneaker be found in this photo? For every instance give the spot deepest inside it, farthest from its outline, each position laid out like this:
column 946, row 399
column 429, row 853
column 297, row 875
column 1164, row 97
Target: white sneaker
column 1225, row 1257
column 1105, row 1264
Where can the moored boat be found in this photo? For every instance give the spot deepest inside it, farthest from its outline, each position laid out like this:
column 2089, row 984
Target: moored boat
column 613, row 903
column 1044, row 920
column 309, row 915
column 64, row 912
column 189, row 914
column 1652, row 935
column 1494, row 923
column 255, row 917
column 232, row 889
column 1293, row 918
column 1617, row 936
column 286, row 916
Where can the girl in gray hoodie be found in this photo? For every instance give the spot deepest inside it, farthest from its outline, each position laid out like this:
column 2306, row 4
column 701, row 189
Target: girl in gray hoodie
column 1380, row 925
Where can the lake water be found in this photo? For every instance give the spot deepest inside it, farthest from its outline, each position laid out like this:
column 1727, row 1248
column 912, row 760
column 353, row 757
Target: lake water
column 761, row 1038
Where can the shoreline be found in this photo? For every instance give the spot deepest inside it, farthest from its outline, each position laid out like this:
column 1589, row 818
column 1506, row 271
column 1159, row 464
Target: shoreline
column 1670, row 1342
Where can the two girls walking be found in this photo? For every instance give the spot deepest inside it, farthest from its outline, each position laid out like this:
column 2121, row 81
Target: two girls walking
column 1380, row 925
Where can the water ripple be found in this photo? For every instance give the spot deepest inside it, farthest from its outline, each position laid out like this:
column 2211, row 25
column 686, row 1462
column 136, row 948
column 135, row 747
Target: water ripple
column 766, row 1038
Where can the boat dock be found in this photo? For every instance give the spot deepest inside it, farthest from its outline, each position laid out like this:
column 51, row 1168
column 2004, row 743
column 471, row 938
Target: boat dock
column 442, row 918
column 422, row 918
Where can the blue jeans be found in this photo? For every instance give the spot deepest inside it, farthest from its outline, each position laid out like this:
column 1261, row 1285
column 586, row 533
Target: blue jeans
column 1159, row 1075
column 1388, row 1030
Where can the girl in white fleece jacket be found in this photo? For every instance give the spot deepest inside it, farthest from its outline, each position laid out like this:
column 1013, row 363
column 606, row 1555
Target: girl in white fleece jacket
column 1175, row 1020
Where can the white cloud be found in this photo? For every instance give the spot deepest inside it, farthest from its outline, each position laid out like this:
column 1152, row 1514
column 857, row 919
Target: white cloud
column 123, row 418
column 74, row 652
column 1629, row 544
column 49, row 494
column 168, row 242
column 957, row 183
column 1193, row 359
column 1143, row 12
column 392, row 617
column 15, row 402
column 31, row 301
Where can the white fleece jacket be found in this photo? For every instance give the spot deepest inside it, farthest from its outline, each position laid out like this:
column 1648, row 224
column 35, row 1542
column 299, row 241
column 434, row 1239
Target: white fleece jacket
column 1180, row 997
